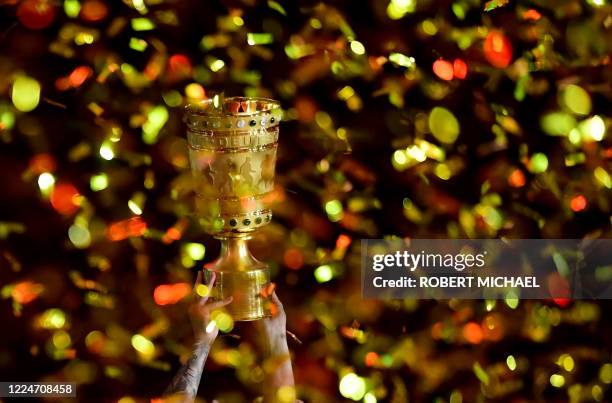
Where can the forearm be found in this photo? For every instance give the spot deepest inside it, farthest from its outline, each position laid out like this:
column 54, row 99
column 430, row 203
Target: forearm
column 279, row 372
column 187, row 380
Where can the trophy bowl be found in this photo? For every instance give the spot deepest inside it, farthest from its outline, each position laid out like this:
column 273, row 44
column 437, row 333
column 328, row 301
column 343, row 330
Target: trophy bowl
column 232, row 151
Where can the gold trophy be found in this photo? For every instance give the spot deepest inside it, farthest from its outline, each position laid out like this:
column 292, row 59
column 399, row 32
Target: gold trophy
column 232, row 151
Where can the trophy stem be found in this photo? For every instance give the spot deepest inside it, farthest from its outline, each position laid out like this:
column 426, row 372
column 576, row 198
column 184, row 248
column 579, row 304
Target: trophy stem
column 235, row 254
column 242, row 277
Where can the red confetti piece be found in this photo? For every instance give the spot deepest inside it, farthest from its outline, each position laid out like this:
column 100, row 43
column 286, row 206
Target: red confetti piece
column 498, row 49
column 93, row 11
column 306, row 109
column 343, row 241
column 79, row 75
column 26, row 292
column 171, row 235
column 371, row 359
column 578, row 203
column 517, row 178
column 175, row 232
column 460, row 69
column 436, row 330
column 168, row 294
column 472, row 332
column 443, row 69
column 267, row 290
column 492, row 327
column 293, row 258
column 179, row 67
column 62, row 83
column 558, row 287
column 273, row 309
column 65, row 198
column 562, row 302
column 532, row 15
column 154, row 67
column 123, row 229
column 36, row 14
column 376, row 63
column 43, row 162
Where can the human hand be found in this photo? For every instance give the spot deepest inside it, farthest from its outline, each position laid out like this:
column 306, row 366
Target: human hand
column 184, row 385
column 274, row 328
column 204, row 328
column 277, row 366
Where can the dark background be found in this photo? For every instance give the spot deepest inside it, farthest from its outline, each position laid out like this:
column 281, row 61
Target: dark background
column 421, row 350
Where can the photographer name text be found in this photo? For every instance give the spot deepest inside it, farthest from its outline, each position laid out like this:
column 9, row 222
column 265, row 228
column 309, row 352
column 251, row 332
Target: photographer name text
column 429, row 262
column 457, row 282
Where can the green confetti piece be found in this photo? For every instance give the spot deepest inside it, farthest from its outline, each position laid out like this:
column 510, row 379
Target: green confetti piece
column 156, row 119
column 574, row 159
column 458, row 10
column 558, row 123
column 277, row 7
column 603, row 177
column 511, row 362
column 443, row 125
column 561, row 264
column 538, row 163
column 519, row 90
column 25, row 93
column 138, row 44
column 493, row 4
column 576, row 100
column 323, row 273
column 511, row 299
column 98, row 182
column 259, row 38
column 480, row 373
column 72, row 8
column 142, row 24
column 402, row 60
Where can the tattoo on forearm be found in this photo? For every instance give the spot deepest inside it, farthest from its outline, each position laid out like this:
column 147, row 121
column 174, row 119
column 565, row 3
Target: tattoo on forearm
column 188, row 377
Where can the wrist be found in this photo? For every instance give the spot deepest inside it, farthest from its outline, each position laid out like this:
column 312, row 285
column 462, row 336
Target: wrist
column 278, row 345
column 204, row 339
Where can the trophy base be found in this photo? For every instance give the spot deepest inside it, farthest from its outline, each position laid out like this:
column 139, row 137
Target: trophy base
column 244, row 287
column 240, row 276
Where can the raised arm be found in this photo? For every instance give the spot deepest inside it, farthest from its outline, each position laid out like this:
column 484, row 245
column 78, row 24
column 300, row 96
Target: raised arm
column 184, row 386
column 278, row 370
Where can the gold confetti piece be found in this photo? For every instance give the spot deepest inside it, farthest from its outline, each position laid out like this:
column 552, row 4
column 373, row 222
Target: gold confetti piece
column 99, row 300
column 6, row 228
column 95, row 108
column 78, row 280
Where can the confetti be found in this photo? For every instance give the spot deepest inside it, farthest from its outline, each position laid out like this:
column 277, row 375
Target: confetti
column 493, row 4
column 25, row 93
column 498, row 49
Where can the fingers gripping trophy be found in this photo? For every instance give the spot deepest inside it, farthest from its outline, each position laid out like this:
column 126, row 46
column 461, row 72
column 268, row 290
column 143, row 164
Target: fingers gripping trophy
column 232, row 149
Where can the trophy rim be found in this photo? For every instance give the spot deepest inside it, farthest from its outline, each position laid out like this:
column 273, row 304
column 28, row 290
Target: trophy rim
column 199, row 109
